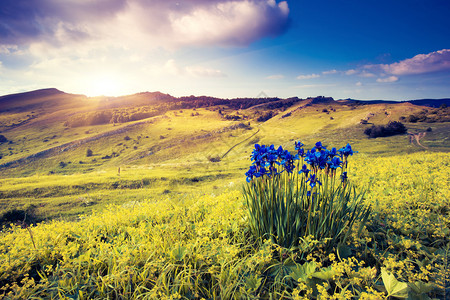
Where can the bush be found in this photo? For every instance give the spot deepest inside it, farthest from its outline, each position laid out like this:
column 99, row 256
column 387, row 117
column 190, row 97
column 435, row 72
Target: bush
column 24, row 216
column 412, row 119
column 214, row 158
column 393, row 128
column 266, row 116
column 89, row 152
column 292, row 207
column 3, row 139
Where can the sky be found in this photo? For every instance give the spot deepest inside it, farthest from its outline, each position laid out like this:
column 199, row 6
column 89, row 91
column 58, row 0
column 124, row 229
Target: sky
column 384, row 49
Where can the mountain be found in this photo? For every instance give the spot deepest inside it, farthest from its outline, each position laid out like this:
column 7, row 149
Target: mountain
column 421, row 102
column 431, row 102
column 49, row 131
column 49, row 99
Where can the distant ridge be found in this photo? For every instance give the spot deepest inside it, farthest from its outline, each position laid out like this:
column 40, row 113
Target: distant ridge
column 421, row 102
column 146, row 97
column 431, row 102
column 32, row 94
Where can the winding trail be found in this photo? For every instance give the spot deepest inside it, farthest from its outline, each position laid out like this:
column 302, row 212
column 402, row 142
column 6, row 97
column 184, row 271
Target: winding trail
column 223, row 156
column 416, row 137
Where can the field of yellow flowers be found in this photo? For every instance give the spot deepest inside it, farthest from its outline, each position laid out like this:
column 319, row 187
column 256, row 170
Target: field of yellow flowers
column 201, row 247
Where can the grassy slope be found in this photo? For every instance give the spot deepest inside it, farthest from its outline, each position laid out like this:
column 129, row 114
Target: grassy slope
column 193, row 247
column 170, row 153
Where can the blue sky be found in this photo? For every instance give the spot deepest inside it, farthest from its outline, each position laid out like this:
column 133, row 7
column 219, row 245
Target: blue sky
column 383, row 49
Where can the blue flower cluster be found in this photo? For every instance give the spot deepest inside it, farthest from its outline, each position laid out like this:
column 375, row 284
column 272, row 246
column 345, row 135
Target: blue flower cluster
column 270, row 161
column 266, row 160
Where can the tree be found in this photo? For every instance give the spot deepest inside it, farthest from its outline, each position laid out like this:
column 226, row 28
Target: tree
column 89, row 152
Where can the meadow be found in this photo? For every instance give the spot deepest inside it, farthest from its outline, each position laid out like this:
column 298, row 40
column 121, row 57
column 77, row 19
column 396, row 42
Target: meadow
column 158, row 210
column 199, row 246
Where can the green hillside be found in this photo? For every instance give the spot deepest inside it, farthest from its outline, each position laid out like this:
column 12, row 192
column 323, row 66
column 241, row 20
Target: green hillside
column 188, row 144
column 140, row 197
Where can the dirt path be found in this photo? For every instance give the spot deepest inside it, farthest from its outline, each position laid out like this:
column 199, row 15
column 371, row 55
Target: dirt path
column 239, row 144
column 416, row 137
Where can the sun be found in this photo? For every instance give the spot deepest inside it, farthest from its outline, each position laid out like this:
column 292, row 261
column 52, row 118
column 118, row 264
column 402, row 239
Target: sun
column 104, row 86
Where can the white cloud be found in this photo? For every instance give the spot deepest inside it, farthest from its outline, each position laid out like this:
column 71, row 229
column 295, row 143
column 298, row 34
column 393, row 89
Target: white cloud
column 8, row 49
column 172, row 68
column 310, row 76
column 143, row 23
column 277, row 76
column 421, row 63
column 359, row 83
column 388, row 79
column 200, row 71
column 308, row 86
column 351, row 72
column 366, row 74
column 220, row 23
column 329, row 72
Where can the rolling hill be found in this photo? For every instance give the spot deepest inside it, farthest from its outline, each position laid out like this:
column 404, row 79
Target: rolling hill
column 46, row 127
column 136, row 196
column 58, row 147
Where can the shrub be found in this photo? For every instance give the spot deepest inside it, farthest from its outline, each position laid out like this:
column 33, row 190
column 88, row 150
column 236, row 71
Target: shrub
column 24, row 216
column 214, row 158
column 290, row 207
column 393, row 128
column 89, row 152
column 266, row 116
column 3, row 139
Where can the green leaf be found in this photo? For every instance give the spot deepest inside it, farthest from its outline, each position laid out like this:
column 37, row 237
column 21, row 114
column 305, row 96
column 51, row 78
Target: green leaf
column 252, row 283
column 343, row 251
column 301, row 273
column 394, row 287
column 178, row 253
column 325, row 274
column 420, row 287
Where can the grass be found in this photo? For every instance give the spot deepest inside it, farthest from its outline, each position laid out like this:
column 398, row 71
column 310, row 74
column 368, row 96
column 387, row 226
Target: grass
column 200, row 246
column 175, row 146
column 172, row 223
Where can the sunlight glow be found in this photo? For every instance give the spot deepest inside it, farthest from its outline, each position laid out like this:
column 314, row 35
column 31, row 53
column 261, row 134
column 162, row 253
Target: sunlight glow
column 104, row 86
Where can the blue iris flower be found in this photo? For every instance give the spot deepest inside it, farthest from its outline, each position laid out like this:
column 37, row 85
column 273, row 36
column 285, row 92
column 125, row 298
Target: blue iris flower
column 313, row 180
column 333, row 152
column 251, row 172
column 298, row 145
column 344, row 177
column 334, row 163
column 304, row 170
column 319, row 146
column 288, row 161
column 317, row 159
column 346, row 151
